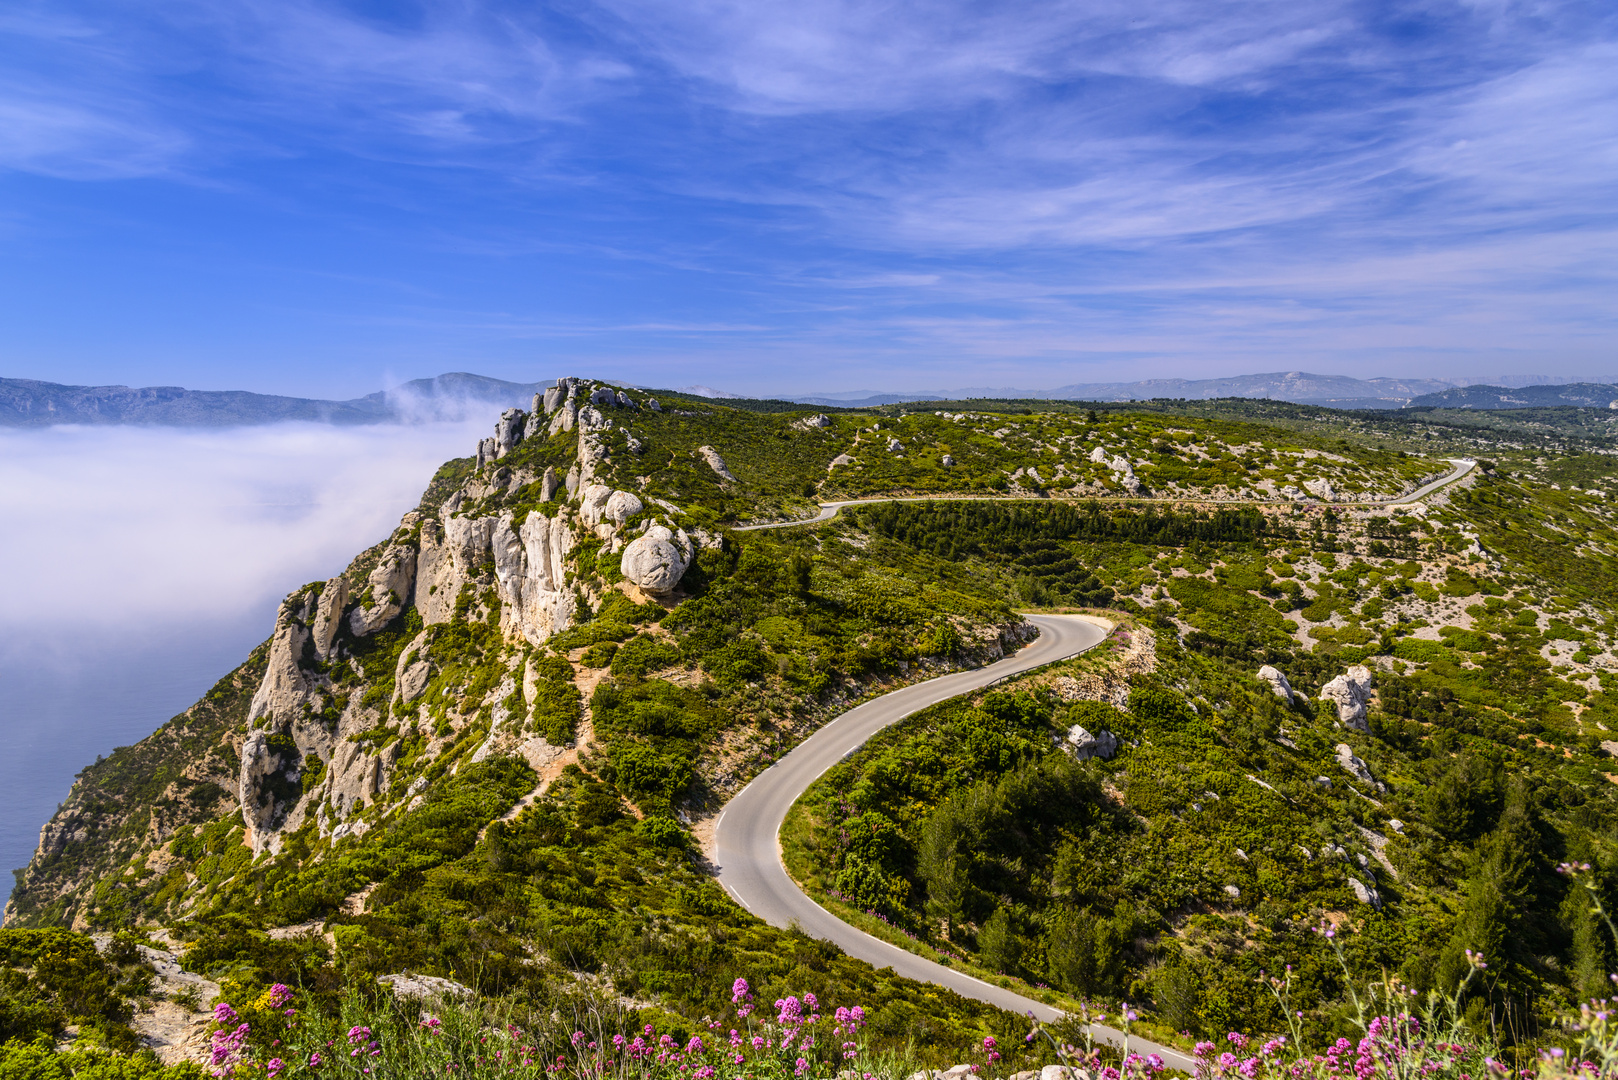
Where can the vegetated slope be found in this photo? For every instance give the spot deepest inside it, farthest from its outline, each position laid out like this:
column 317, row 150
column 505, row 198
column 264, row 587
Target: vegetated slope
column 1577, row 395
column 1231, row 820
column 476, row 753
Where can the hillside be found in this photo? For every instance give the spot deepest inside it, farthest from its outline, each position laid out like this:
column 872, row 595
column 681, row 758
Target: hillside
column 493, row 749
column 1572, row 395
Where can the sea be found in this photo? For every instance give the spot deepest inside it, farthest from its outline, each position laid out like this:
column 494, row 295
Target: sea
column 142, row 564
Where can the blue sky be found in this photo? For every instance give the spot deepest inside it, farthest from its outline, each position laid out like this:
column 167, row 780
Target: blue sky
column 324, row 198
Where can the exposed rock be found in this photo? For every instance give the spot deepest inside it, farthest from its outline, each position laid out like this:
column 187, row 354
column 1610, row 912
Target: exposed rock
column 1278, row 682
column 593, row 419
column 946, row 461
column 1083, row 745
column 840, row 459
column 1233, row 892
column 1124, row 473
column 282, row 691
column 715, row 462
column 329, row 615
column 269, row 784
column 634, row 444
column 603, row 395
column 509, row 431
column 657, row 559
column 1350, row 691
column 1364, row 893
column 818, row 421
column 1355, row 766
column 567, row 414
column 1099, row 455
column 600, row 505
column 625, row 401
column 592, row 455
column 531, row 576
column 1320, row 488
column 895, row 446
column 1290, row 491
column 408, row 986
column 389, row 588
column 549, row 484
column 554, row 398
column 651, row 403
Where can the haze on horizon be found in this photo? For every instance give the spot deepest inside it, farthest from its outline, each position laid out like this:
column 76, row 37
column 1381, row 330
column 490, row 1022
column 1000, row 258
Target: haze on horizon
column 322, row 199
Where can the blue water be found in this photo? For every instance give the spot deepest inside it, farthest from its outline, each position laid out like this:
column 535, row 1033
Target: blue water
column 65, row 701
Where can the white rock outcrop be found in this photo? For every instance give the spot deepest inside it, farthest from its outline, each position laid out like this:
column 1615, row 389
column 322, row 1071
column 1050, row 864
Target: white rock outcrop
column 715, row 462
column 411, row 987
column 1320, row 488
column 840, row 459
column 1083, row 745
column 329, row 616
column 389, row 590
column 606, row 510
column 1355, row 766
column 657, row 559
column 508, row 432
column 1278, row 682
column 1350, row 692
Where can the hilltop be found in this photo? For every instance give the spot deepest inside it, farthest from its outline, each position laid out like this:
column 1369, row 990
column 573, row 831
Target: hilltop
column 1347, row 679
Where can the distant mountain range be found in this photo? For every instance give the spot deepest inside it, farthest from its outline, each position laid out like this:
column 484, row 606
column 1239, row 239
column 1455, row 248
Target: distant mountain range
column 1301, row 387
column 1583, row 395
column 31, row 403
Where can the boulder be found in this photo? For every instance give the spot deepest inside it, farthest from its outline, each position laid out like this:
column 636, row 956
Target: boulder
column 634, row 444
column 657, row 559
column 1364, row 893
column 1355, row 766
column 600, row 505
column 625, row 401
column 1083, row 745
column 651, row 403
column 549, row 484
column 593, row 419
column 715, row 462
column 819, row 421
column 895, row 446
column 1124, row 473
column 554, row 398
column 946, row 461
column 1278, row 682
column 486, row 451
column 1099, row 455
column 1350, row 691
column 603, row 395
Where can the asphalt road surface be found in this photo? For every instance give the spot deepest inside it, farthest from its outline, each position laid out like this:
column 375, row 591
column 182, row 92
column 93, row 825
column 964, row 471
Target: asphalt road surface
column 831, row 509
column 746, row 838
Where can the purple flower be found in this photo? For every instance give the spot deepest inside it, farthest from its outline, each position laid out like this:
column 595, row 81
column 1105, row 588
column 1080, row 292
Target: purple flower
column 740, row 991
column 280, row 995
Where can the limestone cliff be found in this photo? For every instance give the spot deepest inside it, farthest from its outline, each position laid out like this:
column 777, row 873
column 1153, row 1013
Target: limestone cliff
column 307, row 736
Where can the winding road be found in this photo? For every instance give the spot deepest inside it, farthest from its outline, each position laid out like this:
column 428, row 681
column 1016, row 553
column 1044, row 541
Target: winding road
column 746, row 837
column 831, row 509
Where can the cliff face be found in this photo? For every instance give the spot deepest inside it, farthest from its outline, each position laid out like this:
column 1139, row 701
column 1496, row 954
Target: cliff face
column 305, row 737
